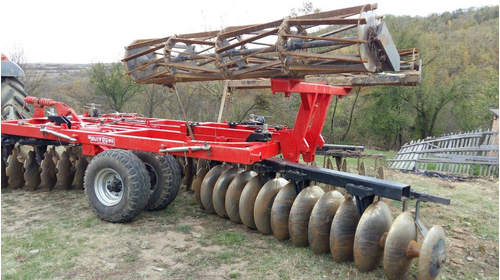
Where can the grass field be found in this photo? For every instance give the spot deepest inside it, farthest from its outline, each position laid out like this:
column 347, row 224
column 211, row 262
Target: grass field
column 55, row 235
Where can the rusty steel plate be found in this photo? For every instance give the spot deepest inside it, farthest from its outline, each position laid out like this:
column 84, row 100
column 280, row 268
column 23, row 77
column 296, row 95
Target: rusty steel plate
column 403, row 230
column 54, row 154
column 81, row 166
column 432, row 254
column 280, row 211
column 365, row 51
column 66, row 171
column 208, row 184
column 300, row 213
column 362, row 169
column 5, row 179
column 14, row 171
column 220, row 190
column 373, row 224
column 32, row 173
column 48, row 178
column 264, row 202
column 342, row 232
column 247, row 201
column 203, row 169
column 380, row 173
column 233, row 194
column 189, row 172
column 343, row 168
column 320, row 221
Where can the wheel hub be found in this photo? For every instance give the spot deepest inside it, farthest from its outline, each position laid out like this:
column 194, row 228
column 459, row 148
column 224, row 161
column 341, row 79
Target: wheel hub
column 114, row 185
column 108, row 187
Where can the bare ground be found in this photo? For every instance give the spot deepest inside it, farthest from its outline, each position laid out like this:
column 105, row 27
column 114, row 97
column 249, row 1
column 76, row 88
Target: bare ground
column 55, row 235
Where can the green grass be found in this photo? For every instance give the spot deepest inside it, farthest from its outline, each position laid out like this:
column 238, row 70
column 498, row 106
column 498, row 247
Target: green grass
column 230, row 239
column 131, row 257
column 21, row 261
column 184, row 228
column 227, row 257
column 352, row 163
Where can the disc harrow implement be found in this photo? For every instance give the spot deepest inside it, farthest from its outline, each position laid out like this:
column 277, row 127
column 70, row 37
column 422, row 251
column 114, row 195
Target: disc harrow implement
column 350, row 40
column 235, row 178
column 40, row 167
column 329, row 222
column 126, row 163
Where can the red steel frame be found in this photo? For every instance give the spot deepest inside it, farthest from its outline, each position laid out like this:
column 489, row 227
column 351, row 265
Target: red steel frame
column 226, row 142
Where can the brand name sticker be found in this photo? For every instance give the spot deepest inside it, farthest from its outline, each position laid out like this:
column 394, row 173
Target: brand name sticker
column 101, row 140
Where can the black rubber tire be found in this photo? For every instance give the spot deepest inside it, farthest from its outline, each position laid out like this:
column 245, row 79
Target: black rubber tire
column 135, row 181
column 13, row 95
column 168, row 179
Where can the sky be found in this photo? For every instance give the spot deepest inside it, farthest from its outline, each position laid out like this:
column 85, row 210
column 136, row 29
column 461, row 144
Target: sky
column 62, row 31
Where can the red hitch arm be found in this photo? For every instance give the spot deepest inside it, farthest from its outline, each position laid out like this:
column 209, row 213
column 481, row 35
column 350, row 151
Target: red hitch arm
column 306, row 134
column 61, row 108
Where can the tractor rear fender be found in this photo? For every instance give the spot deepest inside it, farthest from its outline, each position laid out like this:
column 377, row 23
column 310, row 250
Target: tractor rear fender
column 10, row 68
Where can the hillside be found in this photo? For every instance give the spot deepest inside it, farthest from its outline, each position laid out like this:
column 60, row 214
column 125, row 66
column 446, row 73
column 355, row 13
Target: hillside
column 53, row 70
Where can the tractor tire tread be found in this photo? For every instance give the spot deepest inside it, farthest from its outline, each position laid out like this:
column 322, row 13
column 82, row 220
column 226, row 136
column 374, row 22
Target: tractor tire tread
column 13, row 95
column 169, row 179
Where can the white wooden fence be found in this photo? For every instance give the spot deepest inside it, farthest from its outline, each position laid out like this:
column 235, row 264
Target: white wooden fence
column 473, row 153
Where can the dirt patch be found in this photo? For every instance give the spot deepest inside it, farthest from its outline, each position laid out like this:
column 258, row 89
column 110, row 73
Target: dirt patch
column 55, row 235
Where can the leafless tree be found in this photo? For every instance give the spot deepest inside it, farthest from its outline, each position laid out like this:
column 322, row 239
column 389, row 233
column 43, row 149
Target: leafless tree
column 155, row 96
column 307, row 8
column 34, row 81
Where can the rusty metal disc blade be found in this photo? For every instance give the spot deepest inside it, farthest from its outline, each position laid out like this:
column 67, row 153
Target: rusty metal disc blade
column 54, row 154
column 375, row 221
column 313, row 163
column 203, row 169
column 320, row 221
column 432, row 254
column 233, row 194
column 403, row 230
column 329, row 165
column 220, row 190
column 300, row 213
column 14, row 171
column 5, row 179
column 208, row 184
column 189, row 171
column 362, row 169
column 81, row 165
column 22, row 155
column 66, row 171
column 247, row 201
column 381, row 173
column 48, row 178
column 364, row 49
column 280, row 211
column 344, row 166
column 32, row 173
column 264, row 202
column 342, row 232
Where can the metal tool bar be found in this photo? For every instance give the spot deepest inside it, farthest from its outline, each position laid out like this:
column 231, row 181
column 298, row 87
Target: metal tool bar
column 392, row 190
column 57, row 134
column 429, row 198
column 328, row 147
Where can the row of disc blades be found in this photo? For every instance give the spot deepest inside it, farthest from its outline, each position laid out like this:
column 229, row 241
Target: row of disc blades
column 54, row 170
column 328, row 222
